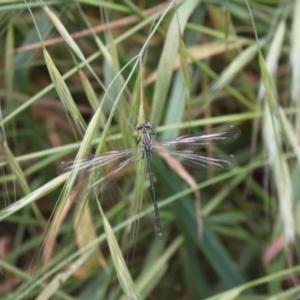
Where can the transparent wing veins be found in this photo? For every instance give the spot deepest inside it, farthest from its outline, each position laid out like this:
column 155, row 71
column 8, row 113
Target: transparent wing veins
column 114, row 171
column 99, row 165
column 203, row 160
column 215, row 136
column 90, row 163
column 183, row 148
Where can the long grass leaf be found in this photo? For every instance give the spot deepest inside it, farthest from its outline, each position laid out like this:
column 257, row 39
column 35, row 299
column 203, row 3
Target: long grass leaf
column 273, row 142
column 125, row 280
column 63, row 91
column 166, row 62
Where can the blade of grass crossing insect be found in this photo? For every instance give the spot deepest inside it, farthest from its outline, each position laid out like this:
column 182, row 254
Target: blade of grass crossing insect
column 167, row 59
column 83, row 151
column 86, row 144
column 87, row 141
column 64, row 203
column 102, row 141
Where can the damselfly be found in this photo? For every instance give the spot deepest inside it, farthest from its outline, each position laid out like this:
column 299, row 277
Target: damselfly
column 185, row 148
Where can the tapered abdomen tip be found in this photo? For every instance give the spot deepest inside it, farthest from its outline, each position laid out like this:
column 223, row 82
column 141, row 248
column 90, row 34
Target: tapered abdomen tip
column 160, row 236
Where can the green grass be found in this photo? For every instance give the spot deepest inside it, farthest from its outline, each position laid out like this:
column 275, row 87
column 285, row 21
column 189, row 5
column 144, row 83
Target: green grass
column 76, row 79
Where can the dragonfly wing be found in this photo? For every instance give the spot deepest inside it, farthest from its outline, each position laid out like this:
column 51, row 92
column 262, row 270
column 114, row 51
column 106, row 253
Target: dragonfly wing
column 214, row 136
column 104, row 178
column 91, row 162
column 100, row 171
column 204, row 160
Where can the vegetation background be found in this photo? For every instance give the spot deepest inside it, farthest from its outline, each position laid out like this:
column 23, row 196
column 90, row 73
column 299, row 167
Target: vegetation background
column 76, row 78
